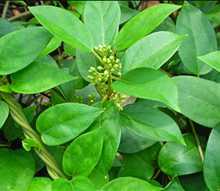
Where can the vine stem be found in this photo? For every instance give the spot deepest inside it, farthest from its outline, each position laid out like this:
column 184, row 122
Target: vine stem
column 197, row 140
column 29, row 133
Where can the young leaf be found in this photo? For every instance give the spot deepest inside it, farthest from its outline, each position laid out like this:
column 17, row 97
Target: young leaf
column 212, row 59
column 151, row 123
column 152, row 51
column 142, row 24
column 102, row 18
column 148, row 84
column 201, row 38
column 130, row 184
column 40, row 183
column 17, row 169
column 198, row 99
column 63, row 25
column 175, row 159
column 82, row 155
column 4, row 111
column 14, row 55
column 211, row 162
column 62, row 123
column 44, row 73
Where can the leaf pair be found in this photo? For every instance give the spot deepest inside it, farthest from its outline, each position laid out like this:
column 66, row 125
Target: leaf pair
column 22, row 62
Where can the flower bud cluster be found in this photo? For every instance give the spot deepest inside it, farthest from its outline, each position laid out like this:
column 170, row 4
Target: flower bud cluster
column 109, row 65
column 108, row 69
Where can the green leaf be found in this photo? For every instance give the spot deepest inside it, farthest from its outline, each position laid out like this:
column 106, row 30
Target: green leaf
column 63, row 25
column 45, row 74
column 212, row 59
column 83, row 154
column 51, row 46
column 129, row 184
column 193, row 182
column 14, row 55
column 152, row 51
column 40, row 183
column 135, row 166
column 17, row 169
column 7, row 27
column 81, row 183
column 211, row 162
column 148, row 84
column 131, row 141
column 102, row 18
column 175, row 159
column 151, row 123
column 198, row 99
column 4, row 112
column 63, row 122
column 84, row 61
column 61, row 184
column 110, row 127
column 201, row 38
column 126, row 12
column 136, row 28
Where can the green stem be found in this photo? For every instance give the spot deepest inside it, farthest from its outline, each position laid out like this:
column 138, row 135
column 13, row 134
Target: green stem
column 19, row 117
column 97, row 56
column 197, row 140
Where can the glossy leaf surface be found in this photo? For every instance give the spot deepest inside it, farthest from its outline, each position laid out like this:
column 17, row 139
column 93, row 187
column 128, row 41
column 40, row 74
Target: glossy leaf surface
column 62, row 123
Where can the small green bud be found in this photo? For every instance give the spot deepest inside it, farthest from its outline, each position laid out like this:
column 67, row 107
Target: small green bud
column 111, row 57
column 100, row 68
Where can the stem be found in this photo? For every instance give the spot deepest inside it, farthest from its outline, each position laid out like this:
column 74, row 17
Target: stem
column 4, row 12
column 197, row 140
column 97, row 56
column 24, row 14
column 19, row 117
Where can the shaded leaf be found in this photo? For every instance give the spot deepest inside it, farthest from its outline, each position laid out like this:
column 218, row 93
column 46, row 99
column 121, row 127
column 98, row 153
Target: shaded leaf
column 211, row 162
column 201, row 106
column 175, row 159
column 4, row 112
column 201, row 38
column 151, row 123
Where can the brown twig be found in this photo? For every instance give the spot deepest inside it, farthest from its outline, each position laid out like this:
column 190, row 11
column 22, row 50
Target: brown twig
column 24, row 14
column 5, row 9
